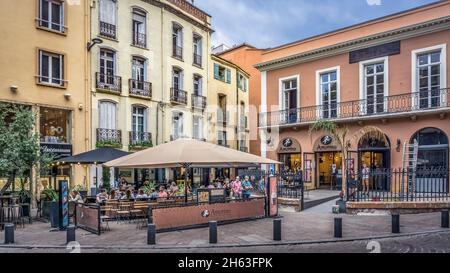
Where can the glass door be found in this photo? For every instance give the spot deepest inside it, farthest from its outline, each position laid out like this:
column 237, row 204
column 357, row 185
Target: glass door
column 429, row 67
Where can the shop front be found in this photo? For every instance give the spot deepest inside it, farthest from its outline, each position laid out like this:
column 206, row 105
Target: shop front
column 290, row 155
column 328, row 158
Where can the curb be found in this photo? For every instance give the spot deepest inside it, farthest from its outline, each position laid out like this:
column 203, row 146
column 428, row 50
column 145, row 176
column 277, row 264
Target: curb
column 219, row 246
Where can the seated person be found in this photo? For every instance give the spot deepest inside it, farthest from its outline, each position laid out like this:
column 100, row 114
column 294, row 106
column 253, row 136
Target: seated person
column 162, row 193
column 75, row 196
column 141, row 195
column 173, row 190
column 102, row 196
column 154, row 195
column 127, row 196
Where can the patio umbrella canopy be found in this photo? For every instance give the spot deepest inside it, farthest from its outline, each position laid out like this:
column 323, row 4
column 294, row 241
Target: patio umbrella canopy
column 196, row 153
column 98, row 156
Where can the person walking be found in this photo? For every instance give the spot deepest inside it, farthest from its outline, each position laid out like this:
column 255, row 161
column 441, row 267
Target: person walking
column 365, row 178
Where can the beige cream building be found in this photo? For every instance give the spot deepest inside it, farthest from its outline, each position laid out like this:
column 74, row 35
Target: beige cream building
column 149, row 73
column 43, row 64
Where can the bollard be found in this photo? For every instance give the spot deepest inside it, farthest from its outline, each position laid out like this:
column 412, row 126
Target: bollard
column 71, row 234
column 445, row 219
column 277, row 229
column 337, row 227
column 395, row 223
column 9, row 234
column 213, row 232
column 151, row 234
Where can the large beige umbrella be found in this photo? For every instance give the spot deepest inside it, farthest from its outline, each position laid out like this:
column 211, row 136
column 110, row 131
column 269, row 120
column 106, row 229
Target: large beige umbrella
column 188, row 153
column 195, row 153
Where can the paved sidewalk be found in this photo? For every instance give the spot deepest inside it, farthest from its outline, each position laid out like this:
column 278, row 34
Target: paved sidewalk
column 297, row 227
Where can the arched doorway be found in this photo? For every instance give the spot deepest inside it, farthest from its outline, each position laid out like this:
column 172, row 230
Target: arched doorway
column 328, row 154
column 432, row 161
column 374, row 151
column 290, row 154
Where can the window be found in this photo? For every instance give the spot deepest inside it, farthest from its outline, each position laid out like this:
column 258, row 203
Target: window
column 328, row 92
column 139, row 120
column 139, row 28
column 54, row 125
column 108, row 115
column 222, row 138
column 197, row 50
column 108, row 19
column 51, row 68
column 138, row 67
column 177, row 41
column 374, row 87
column 177, row 125
column 51, row 15
column 429, row 79
column 222, row 74
column 177, row 79
column 197, row 127
column 107, row 67
column 198, row 85
column 289, row 99
column 242, row 82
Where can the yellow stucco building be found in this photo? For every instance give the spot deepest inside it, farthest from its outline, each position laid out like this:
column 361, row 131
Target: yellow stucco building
column 44, row 65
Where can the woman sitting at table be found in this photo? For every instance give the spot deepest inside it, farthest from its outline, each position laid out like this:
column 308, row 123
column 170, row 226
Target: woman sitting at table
column 141, row 194
column 75, row 196
column 127, row 196
column 113, row 195
column 102, row 196
column 173, row 190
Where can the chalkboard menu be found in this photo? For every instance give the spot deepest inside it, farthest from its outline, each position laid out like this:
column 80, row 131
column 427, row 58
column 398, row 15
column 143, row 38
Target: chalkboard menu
column 203, row 196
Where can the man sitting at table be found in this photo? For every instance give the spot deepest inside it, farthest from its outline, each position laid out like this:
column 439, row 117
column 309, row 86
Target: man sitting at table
column 102, row 196
column 154, row 195
column 246, row 188
column 162, row 193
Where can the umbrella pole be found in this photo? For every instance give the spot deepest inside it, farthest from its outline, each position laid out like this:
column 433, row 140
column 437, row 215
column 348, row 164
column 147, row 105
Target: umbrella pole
column 186, row 167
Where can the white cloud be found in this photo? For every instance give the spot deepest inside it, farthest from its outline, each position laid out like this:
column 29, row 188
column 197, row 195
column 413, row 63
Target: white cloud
column 374, row 2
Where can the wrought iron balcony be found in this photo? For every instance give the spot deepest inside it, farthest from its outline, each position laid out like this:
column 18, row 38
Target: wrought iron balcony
column 198, row 102
column 139, row 39
column 178, row 96
column 108, row 82
column 140, row 88
column 417, row 102
column 177, row 52
column 197, row 59
column 140, row 139
column 108, row 30
column 243, row 149
column 109, row 137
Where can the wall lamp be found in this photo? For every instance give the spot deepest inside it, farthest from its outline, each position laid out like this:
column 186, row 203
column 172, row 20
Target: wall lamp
column 399, row 143
column 93, row 43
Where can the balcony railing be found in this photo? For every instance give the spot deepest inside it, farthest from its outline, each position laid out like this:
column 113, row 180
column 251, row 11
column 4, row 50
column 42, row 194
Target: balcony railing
column 140, row 138
column 243, row 149
column 197, row 59
column 139, row 39
column 109, row 137
column 374, row 107
column 108, row 30
column 178, row 96
column 198, row 102
column 177, row 52
column 140, row 88
column 108, row 82
column 243, row 124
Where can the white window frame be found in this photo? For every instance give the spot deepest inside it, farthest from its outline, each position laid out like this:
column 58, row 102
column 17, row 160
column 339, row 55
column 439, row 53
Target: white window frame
column 197, row 41
column 180, row 114
column 133, row 58
column 199, row 128
column 362, row 80
column 144, row 115
column 200, row 84
column 414, row 71
column 181, row 78
column 281, row 98
column 319, row 113
column 51, row 55
column 61, row 25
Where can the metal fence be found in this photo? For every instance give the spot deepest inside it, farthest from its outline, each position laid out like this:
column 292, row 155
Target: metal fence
column 399, row 185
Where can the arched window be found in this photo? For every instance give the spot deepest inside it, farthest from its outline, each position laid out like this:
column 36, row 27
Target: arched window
column 433, row 149
column 139, row 25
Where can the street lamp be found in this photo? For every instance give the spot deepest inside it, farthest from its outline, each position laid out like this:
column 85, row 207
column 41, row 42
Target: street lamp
column 93, row 43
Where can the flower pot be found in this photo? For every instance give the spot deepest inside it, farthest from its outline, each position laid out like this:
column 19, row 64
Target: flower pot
column 54, row 214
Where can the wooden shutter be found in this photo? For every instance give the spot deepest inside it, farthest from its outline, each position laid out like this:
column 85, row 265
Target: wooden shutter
column 216, row 72
column 228, row 75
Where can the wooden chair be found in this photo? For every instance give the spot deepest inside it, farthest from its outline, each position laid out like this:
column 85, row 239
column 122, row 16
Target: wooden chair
column 124, row 212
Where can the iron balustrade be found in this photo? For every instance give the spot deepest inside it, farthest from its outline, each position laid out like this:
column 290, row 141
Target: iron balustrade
column 177, row 52
column 387, row 105
column 197, row 59
column 178, row 96
column 198, row 102
column 109, row 135
column 108, row 30
column 137, row 138
column 139, row 39
column 399, row 185
column 108, row 82
column 243, row 149
column 140, row 88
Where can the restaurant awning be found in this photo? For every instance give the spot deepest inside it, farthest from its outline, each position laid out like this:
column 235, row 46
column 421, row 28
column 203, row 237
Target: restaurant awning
column 195, row 153
column 98, row 156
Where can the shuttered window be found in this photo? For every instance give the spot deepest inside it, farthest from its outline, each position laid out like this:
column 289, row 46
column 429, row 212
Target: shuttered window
column 108, row 115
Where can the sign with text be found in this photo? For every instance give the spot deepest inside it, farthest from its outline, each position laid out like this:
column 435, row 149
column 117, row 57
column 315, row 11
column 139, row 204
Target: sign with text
column 59, row 150
column 375, row 52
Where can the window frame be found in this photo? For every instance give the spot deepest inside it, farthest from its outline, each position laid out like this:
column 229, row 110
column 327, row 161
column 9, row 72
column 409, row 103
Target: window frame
column 319, row 102
column 63, row 21
column 62, row 68
column 362, row 82
column 141, row 12
column 281, row 92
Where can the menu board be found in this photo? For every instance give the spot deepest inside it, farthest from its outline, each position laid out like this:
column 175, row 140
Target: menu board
column 203, row 196
column 217, row 196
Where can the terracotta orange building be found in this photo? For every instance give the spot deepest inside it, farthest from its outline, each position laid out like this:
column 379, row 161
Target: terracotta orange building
column 390, row 73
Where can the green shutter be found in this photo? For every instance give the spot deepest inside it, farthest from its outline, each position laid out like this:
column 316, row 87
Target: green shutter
column 216, row 72
column 228, row 75
column 238, row 80
column 245, row 84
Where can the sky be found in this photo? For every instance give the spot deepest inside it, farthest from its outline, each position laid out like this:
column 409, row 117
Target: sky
column 269, row 23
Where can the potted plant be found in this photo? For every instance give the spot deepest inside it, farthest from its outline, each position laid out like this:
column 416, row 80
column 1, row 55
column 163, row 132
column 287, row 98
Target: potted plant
column 50, row 208
column 148, row 188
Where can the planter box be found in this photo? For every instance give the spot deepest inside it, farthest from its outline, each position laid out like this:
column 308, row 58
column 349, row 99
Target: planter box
column 50, row 211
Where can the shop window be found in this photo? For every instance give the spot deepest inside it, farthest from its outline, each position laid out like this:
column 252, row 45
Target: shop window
column 54, row 125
